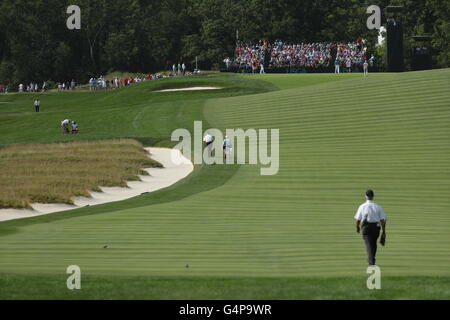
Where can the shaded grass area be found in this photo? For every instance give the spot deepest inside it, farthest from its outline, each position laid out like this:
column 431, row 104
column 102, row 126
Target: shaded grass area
column 13, row 286
column 55, row 173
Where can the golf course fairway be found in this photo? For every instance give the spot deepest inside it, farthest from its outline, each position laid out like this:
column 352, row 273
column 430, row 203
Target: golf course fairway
column 225, row 231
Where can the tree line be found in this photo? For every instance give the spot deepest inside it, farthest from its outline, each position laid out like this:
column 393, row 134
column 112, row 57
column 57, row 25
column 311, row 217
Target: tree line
column 148, row 36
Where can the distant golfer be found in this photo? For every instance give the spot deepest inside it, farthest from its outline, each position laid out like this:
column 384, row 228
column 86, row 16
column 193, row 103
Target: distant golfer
column 37, row 105
column 227, row 147
column 65, row 126
column 337, row 66
column 75, row 127
column 369, row 218
column 208, row 141
column 366, row 68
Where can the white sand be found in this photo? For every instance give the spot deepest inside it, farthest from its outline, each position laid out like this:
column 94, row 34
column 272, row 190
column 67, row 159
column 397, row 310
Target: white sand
column 159, row 178
column 188, row 89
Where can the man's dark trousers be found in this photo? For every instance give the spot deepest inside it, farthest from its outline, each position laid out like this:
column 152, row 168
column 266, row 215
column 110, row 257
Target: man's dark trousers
column 371, row 232
column 37, row 108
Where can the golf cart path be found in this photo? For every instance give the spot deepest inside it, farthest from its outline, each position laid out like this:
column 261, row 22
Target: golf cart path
column 176, row 167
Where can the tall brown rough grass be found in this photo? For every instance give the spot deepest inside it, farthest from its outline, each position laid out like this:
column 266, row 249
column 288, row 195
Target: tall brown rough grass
column 55, row 173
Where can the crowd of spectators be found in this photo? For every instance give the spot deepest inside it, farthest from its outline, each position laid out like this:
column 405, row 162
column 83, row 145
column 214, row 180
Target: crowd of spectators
column 300, row 55
column 279, row 54
column 94, row 84
column 248, row 56
column 3, row 88
column 32, row 87
column 100, row 83
column 351, row 54
column 62, row 86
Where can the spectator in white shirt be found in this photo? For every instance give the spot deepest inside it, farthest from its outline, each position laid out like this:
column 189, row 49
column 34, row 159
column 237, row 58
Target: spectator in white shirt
column 366, row 68
column 370, row 218
column 348, row 64
column 37, row 105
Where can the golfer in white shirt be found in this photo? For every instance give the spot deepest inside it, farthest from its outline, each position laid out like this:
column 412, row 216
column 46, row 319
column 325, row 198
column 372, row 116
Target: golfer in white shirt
column 208, row 140
column 370, row 218
column 227, row 147
column 37, row 105
column 65, row 125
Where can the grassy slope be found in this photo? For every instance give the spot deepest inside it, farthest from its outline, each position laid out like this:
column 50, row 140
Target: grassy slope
column 296, row 80
column 132, row 112
column 296, row 224
column 387, row 132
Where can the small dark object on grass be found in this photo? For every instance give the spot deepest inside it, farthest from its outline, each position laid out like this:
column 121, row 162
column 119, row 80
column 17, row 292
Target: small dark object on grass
column 105, row 247
column 187, row 266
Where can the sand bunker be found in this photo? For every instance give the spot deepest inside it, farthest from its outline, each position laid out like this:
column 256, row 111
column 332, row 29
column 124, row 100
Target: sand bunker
column 159, row 178
column 189, row 89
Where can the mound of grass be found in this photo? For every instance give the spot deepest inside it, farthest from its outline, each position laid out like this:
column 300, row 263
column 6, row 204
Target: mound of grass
column 132, row 112
column 55, row 173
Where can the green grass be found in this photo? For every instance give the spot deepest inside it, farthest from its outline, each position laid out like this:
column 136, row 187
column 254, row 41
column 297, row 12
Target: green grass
column 389, row 132
column 134, row 112
column 187, row 288
column 296, row 80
